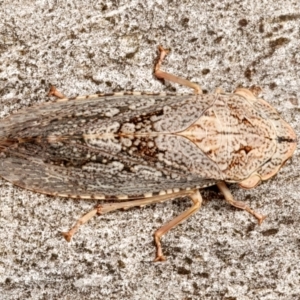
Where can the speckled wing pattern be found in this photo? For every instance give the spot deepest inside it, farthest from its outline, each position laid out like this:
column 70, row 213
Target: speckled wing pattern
column 135, row 146
column 106, row 147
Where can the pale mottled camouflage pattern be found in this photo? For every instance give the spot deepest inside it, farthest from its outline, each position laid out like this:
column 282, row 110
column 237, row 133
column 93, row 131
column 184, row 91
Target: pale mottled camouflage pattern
column 132, row 146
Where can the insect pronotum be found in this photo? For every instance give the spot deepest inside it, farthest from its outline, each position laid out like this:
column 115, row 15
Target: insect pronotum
column 142, row 148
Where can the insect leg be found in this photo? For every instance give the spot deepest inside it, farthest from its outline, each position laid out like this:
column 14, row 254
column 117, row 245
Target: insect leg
column 197, row 201
column 54, row 92
column 229, row 198
column 107, row 207
column 170, row 77
column 68, row 235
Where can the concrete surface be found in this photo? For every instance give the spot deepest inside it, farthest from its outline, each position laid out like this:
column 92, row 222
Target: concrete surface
column 91, row 46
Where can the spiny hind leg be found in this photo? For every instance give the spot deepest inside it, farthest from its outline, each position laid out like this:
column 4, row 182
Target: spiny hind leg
column 170, row 77
column 229, row 198
column 107, row 207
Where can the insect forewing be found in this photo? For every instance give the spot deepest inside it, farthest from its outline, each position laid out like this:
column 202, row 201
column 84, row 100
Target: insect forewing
column 125, row 146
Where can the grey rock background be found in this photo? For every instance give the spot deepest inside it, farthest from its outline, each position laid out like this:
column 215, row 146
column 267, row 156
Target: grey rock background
column 84, row 47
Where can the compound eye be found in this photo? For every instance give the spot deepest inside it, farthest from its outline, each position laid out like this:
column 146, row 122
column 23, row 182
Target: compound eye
column 250, row 182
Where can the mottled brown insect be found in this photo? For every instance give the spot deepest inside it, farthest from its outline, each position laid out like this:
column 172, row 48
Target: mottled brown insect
column 145, row 148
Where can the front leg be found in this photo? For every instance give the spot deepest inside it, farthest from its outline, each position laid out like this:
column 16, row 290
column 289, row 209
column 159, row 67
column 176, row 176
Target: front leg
column 229, row 198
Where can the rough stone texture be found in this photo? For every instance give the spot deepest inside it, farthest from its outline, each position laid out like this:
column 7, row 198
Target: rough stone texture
column 220, row 253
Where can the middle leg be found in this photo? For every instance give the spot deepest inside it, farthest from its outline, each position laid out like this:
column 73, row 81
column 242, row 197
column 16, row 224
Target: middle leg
column 170, row 77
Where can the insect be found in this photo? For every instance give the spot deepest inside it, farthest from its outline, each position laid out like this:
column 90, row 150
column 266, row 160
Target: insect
column 141, row 148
